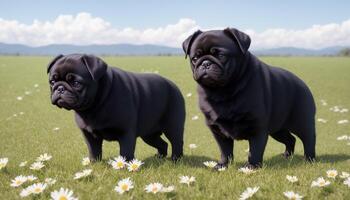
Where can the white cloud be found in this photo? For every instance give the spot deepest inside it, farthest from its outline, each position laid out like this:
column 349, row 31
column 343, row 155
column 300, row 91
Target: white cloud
column 84, row 28
column 315, row 37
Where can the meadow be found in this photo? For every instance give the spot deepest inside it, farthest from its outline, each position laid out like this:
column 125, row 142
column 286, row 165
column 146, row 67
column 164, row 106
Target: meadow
column 31, row 126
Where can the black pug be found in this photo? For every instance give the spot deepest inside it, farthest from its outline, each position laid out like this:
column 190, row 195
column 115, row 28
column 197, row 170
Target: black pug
column 112, row 104
column 244, row 98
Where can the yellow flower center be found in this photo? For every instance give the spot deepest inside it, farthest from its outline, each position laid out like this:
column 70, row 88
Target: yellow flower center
column 134, row 167
column 120, row 164
column 18, row 182
column 154, row 189
column 63, row 198
column 293, row 198
column 37, row 190
column 125, row 187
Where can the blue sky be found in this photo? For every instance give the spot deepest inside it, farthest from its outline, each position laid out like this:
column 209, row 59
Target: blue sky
column 258, row 16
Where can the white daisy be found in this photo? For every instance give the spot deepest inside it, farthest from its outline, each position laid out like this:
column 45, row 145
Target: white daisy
column 31, row 178
column 192, row 146
column 189, row 94
column 210, row 164
column 292, row 179
column 249, row 192
column 246, row 170
column 344, row 175
column 154, row 188
column 19, row 180
column 37, row 188
column 320, row 182
column 56, row 129
column 15, row 115
column 292, row 195
column 25, row 192
column 343, row 121
column 82, row 174
column 187, row 180
column 44, row 157
column 50, row 181
column 323, row 102
column 63, row 194
column 322, row 120
column 332, row 173
column 37, row 165
column 3, row 162
column 195, row 117
column 27, row 92
column 168, row 189
column 343, row 137
column 134, row 165
column 347, row 181
column 19, row 98
column 86, row 161
column 124, row 185
column 21, row 113
column 118, row 162
column 36, row 85
column 344, row 110
column 334, row 109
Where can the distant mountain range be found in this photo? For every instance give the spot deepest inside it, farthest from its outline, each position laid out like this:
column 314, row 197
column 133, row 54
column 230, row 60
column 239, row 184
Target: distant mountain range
column 130, row 49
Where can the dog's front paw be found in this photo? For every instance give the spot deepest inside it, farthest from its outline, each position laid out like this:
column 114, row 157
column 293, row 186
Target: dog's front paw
column 176, row 158
column 221, row 165
column 252, row 166
column 287, row 154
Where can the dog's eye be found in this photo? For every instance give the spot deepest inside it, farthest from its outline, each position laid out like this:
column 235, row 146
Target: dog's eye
column 52, row 82
column 194, row 59
column 76, row 84
column 221, row 56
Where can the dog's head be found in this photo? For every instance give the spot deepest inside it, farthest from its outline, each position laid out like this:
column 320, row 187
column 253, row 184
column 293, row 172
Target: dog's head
column 215, row 55
column 74, row 80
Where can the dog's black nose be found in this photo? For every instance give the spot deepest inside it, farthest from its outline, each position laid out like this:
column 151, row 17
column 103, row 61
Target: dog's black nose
column 206, row 63
column 60, row 89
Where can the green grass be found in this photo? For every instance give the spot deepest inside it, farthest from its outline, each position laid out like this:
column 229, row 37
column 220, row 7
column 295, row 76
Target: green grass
column 27, row 136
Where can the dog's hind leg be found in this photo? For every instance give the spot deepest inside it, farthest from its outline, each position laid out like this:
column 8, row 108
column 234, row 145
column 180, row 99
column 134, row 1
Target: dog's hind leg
column 287, row 139
column 175, row 136
column 307, row 135
column 157, row 142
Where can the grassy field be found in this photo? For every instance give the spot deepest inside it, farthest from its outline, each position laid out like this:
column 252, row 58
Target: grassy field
column 31, row 133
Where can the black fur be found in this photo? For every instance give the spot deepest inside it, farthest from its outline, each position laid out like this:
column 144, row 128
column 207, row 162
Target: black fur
column 112, row 104
column 244, row 98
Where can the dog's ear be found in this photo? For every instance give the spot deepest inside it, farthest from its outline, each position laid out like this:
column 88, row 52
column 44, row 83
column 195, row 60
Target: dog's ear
column 49, row 66
column 186, row 45
column 96, row 66
column 241, row 38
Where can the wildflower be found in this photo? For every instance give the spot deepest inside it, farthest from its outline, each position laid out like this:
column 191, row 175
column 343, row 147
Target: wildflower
column 134, row 165
column 249, row 192
column 320, row 182
column 292, row 195
column 187, row 180
column 124, row 185
column 63, row 194
column 154, row 188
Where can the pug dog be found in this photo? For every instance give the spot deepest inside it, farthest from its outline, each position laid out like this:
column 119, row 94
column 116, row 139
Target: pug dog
column 115, row 105
column 244, row 98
